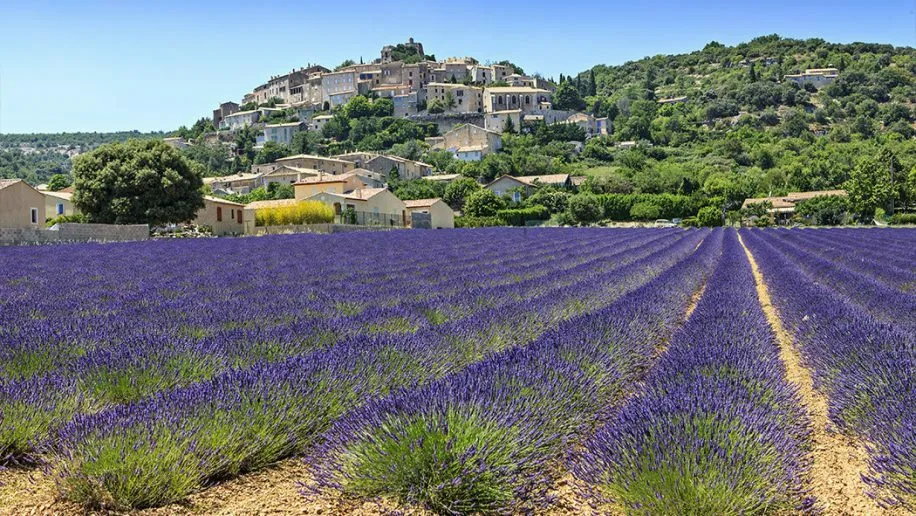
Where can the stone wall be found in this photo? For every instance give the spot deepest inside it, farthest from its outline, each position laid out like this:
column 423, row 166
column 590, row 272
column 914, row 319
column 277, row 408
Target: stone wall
column 72, row 232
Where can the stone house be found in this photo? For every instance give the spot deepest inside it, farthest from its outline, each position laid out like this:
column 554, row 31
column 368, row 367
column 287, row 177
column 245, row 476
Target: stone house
column 441, row 214
column 515, row 186
column 496, row 121
column 222, row 216
column 522, row 98
column 236, row 183
column 372, row 206
column 330, row 183
column 21, row 205
column 384, row 164
column 464, row 99
column 470, row 142
column 282, row 133
column 225, row 109
column 240, row 119
column 59, row 203
column 320, row 163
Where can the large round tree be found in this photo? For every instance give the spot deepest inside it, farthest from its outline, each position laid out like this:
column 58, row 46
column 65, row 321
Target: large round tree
column 138, row 182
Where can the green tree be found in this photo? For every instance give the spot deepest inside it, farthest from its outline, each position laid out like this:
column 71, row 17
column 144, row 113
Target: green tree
column 567, row 97
column 710, row 216
column 138, row 182
column 869, row 188
column 59, row 182
column 509, row 126
column 483, row 203
column 584, row 208
column 645, row 211
column 458, row 191
column 824, row 210
column 272, row 151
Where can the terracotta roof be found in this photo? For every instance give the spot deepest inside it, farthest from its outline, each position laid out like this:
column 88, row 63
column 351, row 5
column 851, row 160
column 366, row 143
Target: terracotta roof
column 421, row 203
column 363, row 194
column 278, row 203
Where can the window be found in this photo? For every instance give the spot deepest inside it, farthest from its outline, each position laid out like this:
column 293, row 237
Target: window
column 34, row 214
column 231, row 214
column 527, row 99
column 238, row 216
column 60, row 208
column 219, row 214
column 517, row 196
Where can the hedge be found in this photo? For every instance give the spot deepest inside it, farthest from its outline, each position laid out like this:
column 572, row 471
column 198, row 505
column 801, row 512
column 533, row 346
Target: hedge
column 903, row 218
column 519, row 216
column 466, row 221
column 618, row 206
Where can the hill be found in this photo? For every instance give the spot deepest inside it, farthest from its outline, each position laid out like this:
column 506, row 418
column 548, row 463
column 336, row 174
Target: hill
column 35, row 157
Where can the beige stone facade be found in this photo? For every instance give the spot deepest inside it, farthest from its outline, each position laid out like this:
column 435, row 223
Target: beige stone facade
column 21, row 205
column 320, row 163
column 338, row 184
column 522, row 98
column 59, row 203
column 470, row 142
column 442, row 215
column 222, row 216
column 457, row 98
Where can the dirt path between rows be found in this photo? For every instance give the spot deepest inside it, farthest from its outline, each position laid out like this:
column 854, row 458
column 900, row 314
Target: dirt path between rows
column 837, row 461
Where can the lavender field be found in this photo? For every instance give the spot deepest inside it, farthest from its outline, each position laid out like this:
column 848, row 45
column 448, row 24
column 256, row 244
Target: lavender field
column 647, row 371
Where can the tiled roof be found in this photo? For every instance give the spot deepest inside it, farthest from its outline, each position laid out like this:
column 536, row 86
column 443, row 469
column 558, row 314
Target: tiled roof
column 222, row 201
column 421, row 203
column 8, row 182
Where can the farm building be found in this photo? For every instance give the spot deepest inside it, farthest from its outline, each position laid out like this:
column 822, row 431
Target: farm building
column 21, row 205
column 514, row 185
column 783, row 206
column 441, row 214
column 59, row 203
column 222, row 216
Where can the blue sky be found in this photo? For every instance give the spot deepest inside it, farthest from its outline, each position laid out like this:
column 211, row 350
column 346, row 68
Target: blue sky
column 107, row 65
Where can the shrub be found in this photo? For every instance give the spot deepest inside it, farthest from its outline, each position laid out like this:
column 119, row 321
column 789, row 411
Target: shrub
column 467, row 221
column 645, row 211
column 709, row 216
column 824, row 210
column 483, row 203
column 306, row 212
column 519, row 216
column 77, row 218
column 618, row 206
column 903, row 218
column 585, row 208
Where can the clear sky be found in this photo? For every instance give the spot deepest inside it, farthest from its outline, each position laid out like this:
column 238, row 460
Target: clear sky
column 119, row 65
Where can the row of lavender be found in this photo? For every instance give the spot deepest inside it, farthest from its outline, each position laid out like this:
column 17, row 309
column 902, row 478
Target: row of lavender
column 161, row 447
column 716, row 429
column 140, row 364
column 862, row 350
column 490, row 438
